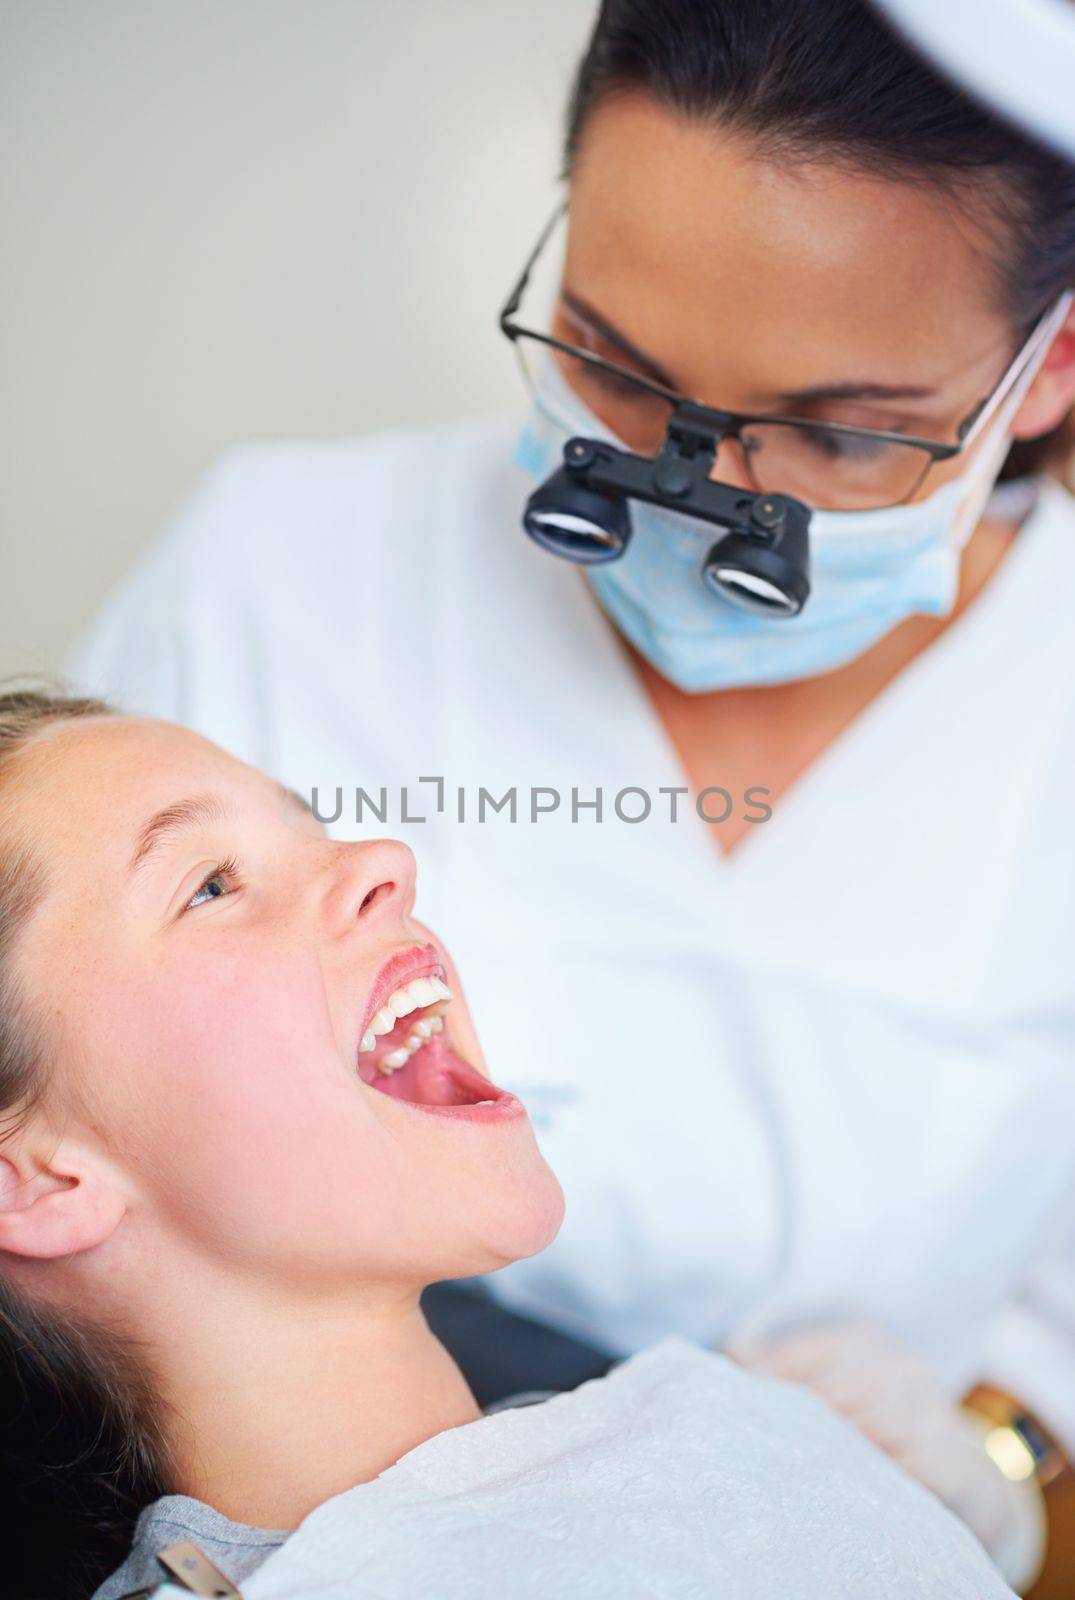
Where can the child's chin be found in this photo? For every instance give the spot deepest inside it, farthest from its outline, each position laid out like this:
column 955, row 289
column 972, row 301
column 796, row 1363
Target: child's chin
column 531, row 1219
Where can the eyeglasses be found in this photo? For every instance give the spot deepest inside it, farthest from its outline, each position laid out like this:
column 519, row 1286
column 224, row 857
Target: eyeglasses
column 829, row 465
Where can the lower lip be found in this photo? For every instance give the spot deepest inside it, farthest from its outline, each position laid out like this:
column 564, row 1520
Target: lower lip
column 504, row 1107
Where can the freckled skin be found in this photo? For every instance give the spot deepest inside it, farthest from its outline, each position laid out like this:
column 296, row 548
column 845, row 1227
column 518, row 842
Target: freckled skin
column 211, row 1052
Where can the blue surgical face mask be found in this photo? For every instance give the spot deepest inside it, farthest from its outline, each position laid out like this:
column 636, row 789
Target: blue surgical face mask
column 869, row 570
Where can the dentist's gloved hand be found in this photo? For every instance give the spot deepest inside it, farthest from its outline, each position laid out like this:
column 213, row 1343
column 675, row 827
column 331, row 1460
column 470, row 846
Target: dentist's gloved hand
column 893, row 1397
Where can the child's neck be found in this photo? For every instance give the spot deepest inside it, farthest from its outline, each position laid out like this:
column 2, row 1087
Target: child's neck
column 277, row 1407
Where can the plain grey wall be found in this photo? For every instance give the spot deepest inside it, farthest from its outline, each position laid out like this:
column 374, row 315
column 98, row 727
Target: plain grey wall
column 226, row 219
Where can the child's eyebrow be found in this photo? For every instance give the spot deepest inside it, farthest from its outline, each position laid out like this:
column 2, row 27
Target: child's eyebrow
column 164, row 825
column 293, row 798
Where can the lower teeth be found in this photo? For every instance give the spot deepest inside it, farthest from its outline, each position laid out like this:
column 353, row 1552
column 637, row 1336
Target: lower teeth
column 399, row 1058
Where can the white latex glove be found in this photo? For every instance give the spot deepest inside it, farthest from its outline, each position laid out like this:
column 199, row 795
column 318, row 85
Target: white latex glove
column 893, row 1397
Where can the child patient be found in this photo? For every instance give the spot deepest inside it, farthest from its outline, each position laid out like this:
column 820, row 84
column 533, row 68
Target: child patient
column 246, row 1121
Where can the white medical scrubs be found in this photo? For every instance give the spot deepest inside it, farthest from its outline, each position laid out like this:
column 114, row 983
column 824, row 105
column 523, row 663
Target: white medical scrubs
column 831, row 1075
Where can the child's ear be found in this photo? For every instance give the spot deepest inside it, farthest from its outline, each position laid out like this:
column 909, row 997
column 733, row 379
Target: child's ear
column 56, row 1199
column 1052, row 394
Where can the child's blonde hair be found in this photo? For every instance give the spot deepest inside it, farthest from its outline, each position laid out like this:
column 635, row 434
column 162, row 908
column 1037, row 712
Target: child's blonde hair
column 79, row 1434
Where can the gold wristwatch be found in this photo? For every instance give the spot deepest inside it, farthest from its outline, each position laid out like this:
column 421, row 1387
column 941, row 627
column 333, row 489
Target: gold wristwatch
column 1018, row 1444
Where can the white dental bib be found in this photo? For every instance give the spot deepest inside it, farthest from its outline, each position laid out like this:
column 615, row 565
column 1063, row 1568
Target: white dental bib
column 678, row 1475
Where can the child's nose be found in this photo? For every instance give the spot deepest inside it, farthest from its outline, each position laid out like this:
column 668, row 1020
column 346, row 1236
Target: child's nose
column 373, row 879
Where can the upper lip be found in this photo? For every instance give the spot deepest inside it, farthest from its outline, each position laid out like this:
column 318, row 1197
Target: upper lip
column 418, row 961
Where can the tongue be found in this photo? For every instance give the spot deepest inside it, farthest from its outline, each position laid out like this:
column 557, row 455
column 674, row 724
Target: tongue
column 434, row 1076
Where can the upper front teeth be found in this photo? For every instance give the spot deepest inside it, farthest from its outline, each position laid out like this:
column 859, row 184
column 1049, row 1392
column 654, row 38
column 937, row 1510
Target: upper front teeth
column 419, row 994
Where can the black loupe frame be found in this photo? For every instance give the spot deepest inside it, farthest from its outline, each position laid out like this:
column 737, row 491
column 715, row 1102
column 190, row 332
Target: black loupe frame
column 760, row 564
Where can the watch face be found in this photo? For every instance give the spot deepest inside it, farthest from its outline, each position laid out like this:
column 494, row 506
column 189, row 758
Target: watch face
column 1033, row 1435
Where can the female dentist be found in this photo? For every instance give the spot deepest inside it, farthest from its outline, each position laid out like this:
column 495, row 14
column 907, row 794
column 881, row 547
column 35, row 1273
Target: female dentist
column 786, row 973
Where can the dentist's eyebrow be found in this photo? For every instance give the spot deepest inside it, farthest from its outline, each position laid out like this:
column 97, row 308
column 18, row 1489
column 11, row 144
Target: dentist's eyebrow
column 854, row 391
column 194, row 812
column 599, row 325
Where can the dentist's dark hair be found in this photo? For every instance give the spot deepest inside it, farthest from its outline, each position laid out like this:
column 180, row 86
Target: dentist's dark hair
column 79, row 1450
column 831, row 81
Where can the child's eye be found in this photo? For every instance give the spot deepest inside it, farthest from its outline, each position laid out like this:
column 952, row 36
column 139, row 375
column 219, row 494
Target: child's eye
column 220, row 882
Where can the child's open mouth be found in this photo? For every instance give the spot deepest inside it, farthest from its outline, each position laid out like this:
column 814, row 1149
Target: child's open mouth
column 406, row 1054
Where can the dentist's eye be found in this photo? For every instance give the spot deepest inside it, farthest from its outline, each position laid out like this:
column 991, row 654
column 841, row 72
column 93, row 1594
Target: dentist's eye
column 222, row 881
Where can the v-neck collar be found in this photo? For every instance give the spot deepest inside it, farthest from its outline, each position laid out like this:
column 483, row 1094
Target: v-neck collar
column 978, row 620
